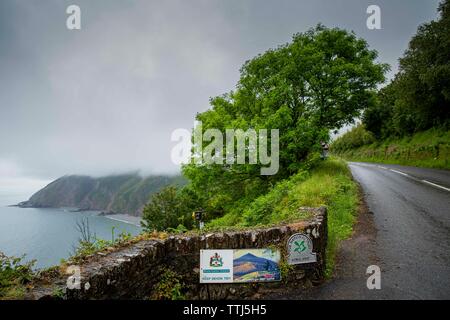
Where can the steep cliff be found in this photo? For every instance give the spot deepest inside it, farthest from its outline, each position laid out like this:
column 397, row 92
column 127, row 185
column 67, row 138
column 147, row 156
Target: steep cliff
column 116, row 194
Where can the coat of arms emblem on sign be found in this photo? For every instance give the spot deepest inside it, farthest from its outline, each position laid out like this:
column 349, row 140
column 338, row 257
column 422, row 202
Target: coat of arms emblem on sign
column 215, row 261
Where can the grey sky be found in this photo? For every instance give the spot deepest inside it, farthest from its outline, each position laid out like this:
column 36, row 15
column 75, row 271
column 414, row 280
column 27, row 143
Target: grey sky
column 106, row 98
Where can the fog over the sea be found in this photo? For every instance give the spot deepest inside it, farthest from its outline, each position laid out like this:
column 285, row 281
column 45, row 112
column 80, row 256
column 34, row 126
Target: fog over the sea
column 105, row 99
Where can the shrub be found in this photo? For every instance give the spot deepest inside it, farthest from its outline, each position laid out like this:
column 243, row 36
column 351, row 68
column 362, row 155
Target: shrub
column 355, row 138
column 14, row 274
column 169, row 287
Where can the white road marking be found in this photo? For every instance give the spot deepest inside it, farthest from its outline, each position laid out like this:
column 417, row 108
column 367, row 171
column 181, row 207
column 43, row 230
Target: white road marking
column 362, row 164
column 406, row 175
column 399, row 172
column 436, row 185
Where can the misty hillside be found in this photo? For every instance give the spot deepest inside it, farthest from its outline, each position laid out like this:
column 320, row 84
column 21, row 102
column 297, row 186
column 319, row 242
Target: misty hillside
column 116, row 194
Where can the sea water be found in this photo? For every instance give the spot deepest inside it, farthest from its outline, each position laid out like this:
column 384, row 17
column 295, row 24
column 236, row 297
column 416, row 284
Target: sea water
column 49, row 235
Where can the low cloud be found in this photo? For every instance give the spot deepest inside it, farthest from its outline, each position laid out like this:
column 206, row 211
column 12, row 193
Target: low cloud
column 105, row 99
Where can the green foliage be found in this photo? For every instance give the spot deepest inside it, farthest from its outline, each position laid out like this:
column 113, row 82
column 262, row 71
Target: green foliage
column 283, row 265
column 58, row 293
column 354, row 138
column 429, row 148
column 419, row 96
column 179, row 229
column 86, row 248
column 168, row 209
column 14, row 274
column 319, row 187
column 328, row 184
column 277, row 204
column 378, row 118
column 89, row 243
column 319, row 81
column 342, row 209
column 170, row 287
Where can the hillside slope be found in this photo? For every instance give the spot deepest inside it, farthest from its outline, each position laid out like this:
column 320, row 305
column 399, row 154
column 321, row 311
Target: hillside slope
column 126, row 193
column 428, row 149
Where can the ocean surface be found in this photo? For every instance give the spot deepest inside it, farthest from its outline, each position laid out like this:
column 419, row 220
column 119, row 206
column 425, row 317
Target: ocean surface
column 48, row 235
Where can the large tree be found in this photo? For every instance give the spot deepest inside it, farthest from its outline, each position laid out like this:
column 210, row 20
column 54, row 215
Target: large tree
column 419, row 96
column 424, row 77
column 318, row 82
column 378, row 118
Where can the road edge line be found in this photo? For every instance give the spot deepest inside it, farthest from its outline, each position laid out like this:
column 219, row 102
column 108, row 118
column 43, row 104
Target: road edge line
column 436, row 185
column 410, row 176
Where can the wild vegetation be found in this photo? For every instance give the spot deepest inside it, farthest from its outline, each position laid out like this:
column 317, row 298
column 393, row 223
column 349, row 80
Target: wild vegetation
column 170, row 287
column 15, row 273
column 328, row 184
column 89, row 243
column 320, row 81
column 408, row 123
column 430, row 148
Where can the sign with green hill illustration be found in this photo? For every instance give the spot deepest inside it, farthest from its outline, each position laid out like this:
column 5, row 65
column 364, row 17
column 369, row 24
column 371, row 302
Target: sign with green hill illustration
column 240, row 265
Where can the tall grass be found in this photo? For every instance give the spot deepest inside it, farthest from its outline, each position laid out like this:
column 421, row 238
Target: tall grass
column 429, row 149
column 329, row 184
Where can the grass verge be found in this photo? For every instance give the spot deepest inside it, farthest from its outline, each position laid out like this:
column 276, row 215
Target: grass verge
column 428, row 149
column 329, row 184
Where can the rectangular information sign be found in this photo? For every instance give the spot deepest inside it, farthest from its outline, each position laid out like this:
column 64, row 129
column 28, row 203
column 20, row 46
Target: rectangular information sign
column 216, row 266
column 240, row 265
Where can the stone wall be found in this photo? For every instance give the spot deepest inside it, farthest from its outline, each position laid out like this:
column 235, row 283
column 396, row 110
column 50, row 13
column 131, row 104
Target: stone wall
column 136, row 271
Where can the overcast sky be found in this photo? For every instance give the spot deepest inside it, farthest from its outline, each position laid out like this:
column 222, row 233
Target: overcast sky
column 105, row 99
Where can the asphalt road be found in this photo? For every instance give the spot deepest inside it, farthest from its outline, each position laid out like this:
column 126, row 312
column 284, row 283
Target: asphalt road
column 405, row 230
column 411, row 212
